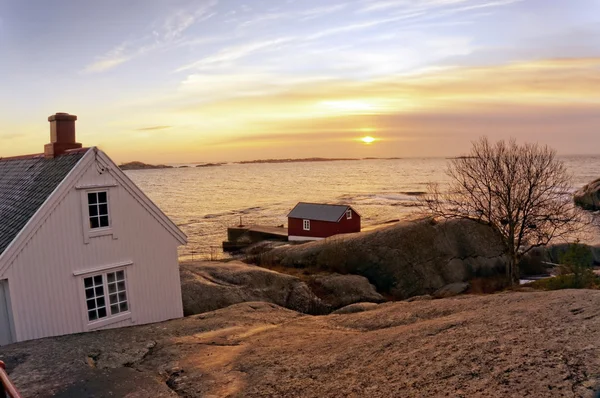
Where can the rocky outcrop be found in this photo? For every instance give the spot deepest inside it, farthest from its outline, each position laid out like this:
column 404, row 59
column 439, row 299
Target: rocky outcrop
column 539, row 344
column 342, row 290
column 207, row 286
column 588, row 197
column 356, row 308
column 407, row 259
column 451, row 290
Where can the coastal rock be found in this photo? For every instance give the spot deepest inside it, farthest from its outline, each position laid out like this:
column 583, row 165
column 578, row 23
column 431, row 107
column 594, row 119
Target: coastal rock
column 425, row 297
column 453, row 289
column 342, row 290
column 588, row 197
column 536, row 344
column 207, row 286
column 406, row 259
column 142, row 166
column 356, row 308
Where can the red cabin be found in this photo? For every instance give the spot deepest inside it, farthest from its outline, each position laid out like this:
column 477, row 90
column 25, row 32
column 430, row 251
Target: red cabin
column 312, row 221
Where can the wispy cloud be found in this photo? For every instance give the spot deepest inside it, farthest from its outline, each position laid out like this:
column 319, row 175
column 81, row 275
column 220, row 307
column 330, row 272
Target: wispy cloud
column 152, row 128
column 322, row 11
column 234, row 53
column 164, row 35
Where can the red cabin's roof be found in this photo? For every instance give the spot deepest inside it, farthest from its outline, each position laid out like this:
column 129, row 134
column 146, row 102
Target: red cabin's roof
column 320, row 212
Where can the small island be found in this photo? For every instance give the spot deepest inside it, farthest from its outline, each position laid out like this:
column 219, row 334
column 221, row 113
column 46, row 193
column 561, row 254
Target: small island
column 210, row 165
column 135, row 165
column 294, row 160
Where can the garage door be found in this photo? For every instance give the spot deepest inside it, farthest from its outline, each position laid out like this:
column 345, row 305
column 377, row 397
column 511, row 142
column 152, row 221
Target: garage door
column 5, row 324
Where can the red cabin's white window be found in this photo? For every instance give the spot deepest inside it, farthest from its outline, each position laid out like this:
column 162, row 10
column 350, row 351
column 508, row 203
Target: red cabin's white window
column 349, row 214
column 306, row 225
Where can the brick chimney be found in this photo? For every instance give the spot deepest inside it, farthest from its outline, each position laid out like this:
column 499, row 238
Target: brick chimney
column 62, row 135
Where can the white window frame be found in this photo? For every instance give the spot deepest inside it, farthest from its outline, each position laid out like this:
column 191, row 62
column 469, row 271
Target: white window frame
column 349, row 214
column 89, row 232
column 306, row 225
column 97, row 205
column 109, row 319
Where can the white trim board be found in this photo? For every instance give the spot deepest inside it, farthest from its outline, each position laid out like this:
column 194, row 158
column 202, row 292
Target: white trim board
column 102, row 268
column 302, row 238
column 137, row 193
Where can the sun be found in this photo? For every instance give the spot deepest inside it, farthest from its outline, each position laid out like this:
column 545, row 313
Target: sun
column 368, row 139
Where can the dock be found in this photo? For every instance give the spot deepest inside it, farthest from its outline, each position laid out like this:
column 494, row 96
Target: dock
column 243, row 236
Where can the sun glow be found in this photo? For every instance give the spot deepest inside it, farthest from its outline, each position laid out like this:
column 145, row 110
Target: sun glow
column 368, row 139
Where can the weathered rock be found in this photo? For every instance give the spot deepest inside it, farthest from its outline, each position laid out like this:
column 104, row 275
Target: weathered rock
column 355, row 308
column 407, row 259
column 588, row 197
column 425, row 297
column 453, row 289
column 342, row 290
column 538, row 344
column 207, row 286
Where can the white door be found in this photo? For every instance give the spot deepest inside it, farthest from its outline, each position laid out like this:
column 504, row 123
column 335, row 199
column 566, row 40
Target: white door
column 5, row 315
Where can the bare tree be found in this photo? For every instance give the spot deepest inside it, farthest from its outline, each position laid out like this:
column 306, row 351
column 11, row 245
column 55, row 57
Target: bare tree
column 520, row 190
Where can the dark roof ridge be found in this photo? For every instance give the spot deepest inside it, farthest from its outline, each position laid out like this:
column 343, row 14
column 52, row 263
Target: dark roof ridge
column 41, row 155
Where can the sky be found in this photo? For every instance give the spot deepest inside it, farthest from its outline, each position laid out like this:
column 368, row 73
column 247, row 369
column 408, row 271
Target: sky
column 176, row 81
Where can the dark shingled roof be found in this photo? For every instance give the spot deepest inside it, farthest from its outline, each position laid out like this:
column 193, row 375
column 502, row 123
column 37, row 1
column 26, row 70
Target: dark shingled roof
column 25, row 184
column 318, row 212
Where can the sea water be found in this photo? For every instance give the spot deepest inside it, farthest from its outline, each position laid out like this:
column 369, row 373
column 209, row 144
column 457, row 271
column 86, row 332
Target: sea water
column 204, row 201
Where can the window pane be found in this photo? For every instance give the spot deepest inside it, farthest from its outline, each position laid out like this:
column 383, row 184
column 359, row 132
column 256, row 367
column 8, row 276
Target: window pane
column 121, row 275
column 100, row 301
column 98, row 280
column 122, row 296
column 114, row 309
column 92, row 315
column 92, row 198
column 99, row 291
column 123, row 307
column 104, row 221
column 94, row 222
column 111, row 277
column 91, row 304
column 121, row 286
column 113, row 299
column 101, row 197
column 88, row 282
column 89, row 293
column 112, row 287
column 102, row 312
column 103, row 209
column 93, row 210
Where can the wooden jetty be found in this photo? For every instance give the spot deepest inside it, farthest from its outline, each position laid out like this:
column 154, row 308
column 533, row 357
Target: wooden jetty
column 243, row 236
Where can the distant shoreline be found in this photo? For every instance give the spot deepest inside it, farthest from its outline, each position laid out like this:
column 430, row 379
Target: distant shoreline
column 307, row 160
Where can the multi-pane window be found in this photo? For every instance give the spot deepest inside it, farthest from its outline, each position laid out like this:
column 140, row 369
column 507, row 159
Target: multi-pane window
column 307, row 225
column 98, row 210
column 117, row 292
column 96, row 288
column 349, row 214
column 95, row 297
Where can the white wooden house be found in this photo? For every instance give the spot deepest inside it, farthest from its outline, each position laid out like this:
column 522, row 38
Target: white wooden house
column 81, row 247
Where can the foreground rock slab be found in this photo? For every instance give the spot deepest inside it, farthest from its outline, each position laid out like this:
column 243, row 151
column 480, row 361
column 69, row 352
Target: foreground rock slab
column 540, row 344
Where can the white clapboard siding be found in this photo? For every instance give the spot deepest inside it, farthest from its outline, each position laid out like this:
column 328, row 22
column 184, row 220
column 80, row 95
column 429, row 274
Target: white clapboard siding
column 48, row 299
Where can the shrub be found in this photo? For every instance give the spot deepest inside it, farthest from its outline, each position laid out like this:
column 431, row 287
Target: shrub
column 574, row 271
